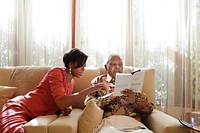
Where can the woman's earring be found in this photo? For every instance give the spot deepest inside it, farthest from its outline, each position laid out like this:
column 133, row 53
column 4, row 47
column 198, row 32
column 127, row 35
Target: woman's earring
column 70, row 70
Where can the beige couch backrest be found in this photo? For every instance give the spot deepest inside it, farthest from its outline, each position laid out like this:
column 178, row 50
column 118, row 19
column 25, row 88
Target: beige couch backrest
column 26, row 78
column 84, row 81
column 5, row 74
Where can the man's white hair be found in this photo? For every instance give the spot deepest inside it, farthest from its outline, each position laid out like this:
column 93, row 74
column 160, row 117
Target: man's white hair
column 112, row 55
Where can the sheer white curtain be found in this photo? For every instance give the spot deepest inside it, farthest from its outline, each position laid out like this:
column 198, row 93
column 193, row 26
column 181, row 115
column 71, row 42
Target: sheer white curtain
column 34, row 32
column 100, row 28
column 179, row 87
column 158, row 38
column 163, row 34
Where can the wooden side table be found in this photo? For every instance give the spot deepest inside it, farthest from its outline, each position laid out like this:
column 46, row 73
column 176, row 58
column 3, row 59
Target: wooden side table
column 191, row 120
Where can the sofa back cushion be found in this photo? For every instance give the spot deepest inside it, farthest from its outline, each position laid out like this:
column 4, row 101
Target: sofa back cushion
column 5, row 74
column 84, row 81
column 149, row 85
column 26, row 78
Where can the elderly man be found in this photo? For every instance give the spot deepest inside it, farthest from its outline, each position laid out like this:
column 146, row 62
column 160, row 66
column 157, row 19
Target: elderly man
column 130, row 103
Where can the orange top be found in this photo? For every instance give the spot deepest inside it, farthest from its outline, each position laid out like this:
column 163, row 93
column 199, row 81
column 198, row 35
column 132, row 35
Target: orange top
column 42, row 100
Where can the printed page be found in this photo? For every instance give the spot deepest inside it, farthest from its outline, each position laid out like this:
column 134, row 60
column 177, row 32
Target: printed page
column 128, row 81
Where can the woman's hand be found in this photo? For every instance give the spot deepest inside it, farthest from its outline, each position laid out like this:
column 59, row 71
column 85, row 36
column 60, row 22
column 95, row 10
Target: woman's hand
column 101, row 86
column 67, row 111
column 128, row 96
column 101, row 79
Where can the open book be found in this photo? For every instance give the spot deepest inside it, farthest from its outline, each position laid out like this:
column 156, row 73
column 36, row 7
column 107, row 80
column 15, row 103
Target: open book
column 133, row 81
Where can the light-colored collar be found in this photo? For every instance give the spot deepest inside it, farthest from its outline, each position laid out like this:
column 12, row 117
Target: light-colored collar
column 108, row 78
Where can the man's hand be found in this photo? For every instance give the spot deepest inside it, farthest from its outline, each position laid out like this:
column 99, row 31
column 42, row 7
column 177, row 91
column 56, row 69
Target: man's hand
column 101, row 79
column 128, row 96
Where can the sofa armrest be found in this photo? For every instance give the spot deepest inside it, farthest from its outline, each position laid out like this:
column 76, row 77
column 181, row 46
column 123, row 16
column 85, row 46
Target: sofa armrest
column 160, row 122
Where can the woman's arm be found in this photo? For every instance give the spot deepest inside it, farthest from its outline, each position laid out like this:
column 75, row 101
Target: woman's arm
column 69, row 100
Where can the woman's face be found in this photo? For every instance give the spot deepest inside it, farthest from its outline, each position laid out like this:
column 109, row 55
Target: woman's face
column 78, row 72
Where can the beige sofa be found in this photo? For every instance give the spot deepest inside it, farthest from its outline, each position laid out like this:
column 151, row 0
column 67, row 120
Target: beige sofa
column 26, row 78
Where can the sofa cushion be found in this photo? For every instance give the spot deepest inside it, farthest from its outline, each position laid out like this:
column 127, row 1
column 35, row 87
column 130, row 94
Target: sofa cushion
column 6, row 93
column 66, row 124
column 149, row 84
column 90, row 118
column 5, row 73
column 27, row 78
column 39, row 124
column 167, row 123
column 84, row 81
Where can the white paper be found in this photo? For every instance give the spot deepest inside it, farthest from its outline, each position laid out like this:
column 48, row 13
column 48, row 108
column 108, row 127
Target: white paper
column 128, row 81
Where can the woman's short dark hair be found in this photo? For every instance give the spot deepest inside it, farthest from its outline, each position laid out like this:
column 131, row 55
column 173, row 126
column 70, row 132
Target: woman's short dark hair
column 75, row 56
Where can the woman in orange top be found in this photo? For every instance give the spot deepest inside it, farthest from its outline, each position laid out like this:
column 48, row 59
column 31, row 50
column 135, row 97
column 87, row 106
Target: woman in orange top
column 53, row 94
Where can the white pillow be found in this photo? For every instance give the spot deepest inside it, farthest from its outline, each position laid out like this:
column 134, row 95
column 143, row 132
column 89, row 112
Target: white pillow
column 90, row 118
column 6, row 93
column 116, row 123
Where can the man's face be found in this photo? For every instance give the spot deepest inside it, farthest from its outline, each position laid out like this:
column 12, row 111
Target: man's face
column 114, row 66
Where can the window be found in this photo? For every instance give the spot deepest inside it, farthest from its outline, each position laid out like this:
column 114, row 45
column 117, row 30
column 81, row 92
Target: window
column 34, row 32
column 162, row 34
